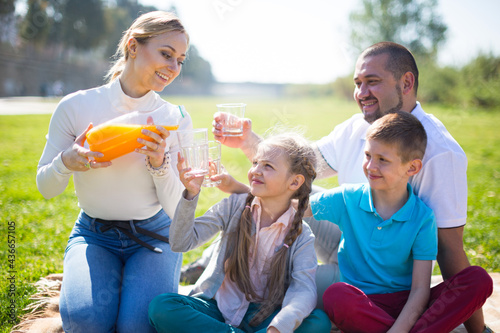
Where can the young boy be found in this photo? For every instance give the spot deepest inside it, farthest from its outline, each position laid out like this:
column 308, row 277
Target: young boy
column 389, row 239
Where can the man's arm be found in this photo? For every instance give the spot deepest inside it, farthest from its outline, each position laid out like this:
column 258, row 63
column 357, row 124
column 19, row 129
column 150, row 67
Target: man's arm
column 249, row 147
column 249, row 141
column 451, row 255
column 323, row 170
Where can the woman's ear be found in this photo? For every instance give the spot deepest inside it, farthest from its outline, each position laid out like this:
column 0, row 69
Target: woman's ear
column 132, row 47
column 296, row 182
column 414, row 167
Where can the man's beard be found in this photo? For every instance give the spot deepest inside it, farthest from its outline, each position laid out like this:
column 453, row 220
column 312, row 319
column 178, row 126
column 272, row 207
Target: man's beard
column 370, row 118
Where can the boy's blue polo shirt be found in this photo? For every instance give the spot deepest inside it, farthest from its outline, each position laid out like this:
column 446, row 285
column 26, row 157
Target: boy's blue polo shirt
column 375, row 255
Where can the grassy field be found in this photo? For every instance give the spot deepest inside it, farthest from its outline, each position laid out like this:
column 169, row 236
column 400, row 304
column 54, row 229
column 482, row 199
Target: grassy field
column 37, row 229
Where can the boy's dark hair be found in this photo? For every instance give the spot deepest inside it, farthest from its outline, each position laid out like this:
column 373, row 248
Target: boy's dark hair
column 400, row 59
column 404, row 130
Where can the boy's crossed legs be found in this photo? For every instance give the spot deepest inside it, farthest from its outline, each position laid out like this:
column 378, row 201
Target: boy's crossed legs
column 450, row 304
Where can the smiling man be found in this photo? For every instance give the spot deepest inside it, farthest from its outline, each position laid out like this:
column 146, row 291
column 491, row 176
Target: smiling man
column 386, row 80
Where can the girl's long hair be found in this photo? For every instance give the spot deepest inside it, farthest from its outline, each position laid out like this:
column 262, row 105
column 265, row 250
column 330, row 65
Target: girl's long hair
column 301, row 159
column 144, row 27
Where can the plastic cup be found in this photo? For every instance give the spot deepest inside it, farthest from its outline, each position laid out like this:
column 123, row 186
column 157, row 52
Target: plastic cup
column 232, row 115
column 194, row 149
column 214, row 157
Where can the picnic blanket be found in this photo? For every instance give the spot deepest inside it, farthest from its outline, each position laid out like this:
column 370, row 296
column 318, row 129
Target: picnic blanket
column 43, row 314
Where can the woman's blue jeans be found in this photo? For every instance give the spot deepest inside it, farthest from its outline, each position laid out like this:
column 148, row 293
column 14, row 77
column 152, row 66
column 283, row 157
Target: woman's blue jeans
column 109, row 280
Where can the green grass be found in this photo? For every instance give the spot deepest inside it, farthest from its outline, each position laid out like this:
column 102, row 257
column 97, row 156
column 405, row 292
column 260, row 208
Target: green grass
column 476, row 132
column 42, row 226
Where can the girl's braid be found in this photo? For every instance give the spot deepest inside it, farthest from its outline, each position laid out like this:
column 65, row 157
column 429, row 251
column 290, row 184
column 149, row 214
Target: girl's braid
column 237, row 252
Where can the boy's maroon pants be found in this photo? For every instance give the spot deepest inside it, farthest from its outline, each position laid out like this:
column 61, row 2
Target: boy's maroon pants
column 450, row 304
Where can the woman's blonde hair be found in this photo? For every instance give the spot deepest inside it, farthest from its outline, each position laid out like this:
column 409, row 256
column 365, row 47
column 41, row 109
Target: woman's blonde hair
column 144, row 27
column 301, row 158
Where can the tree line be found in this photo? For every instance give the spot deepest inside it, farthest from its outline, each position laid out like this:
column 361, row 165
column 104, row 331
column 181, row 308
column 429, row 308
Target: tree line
column 59, row 46
column 418, row 25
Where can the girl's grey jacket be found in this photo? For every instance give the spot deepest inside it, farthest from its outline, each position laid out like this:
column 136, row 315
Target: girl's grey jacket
column 188, row 232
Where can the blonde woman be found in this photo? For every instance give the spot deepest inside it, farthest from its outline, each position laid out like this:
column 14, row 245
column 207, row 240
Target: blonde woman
column 118, row 257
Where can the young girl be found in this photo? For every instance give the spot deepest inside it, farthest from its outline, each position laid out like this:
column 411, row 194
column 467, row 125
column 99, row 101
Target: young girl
column 261, row 277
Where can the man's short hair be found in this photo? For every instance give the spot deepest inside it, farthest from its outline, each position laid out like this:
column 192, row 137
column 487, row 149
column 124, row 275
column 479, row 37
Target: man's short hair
column 402, row 129
column 400, row 60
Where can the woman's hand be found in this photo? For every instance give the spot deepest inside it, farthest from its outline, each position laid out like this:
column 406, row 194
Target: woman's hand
column 155, row 149
column 79, row 158
column 191, row 182
column 272, row 329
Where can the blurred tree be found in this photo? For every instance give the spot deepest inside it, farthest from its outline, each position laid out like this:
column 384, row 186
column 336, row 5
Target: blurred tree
column 7, row 7
column 81, row 36
column 56, row 10
column 7, row 21
column 442, row 85
column 343, row 87
column 134, row 8
column 83, row 23
column 482, row 81
column 117, row 20
column 413, row 23
column 197, row 68
column 36, row 24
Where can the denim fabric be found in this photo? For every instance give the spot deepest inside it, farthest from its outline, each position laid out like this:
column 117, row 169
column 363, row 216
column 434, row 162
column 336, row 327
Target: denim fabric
column 109, row 279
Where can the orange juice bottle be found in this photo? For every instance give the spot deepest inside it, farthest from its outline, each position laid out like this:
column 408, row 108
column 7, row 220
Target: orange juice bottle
column 118, row 136
column 115, row 140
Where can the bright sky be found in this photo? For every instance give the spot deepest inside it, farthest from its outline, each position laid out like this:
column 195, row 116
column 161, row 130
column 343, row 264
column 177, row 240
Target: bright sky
column 297, row 41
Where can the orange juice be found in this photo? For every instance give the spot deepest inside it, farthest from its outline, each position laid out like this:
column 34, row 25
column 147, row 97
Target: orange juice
column 115, row 140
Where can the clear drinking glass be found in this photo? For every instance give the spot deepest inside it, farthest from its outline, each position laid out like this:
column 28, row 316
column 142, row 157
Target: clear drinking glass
column 232, row 115
column 194, row 149
column 214, row 157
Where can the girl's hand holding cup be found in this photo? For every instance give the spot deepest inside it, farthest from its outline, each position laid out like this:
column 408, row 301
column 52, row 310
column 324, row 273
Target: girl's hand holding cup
column 191, row 181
